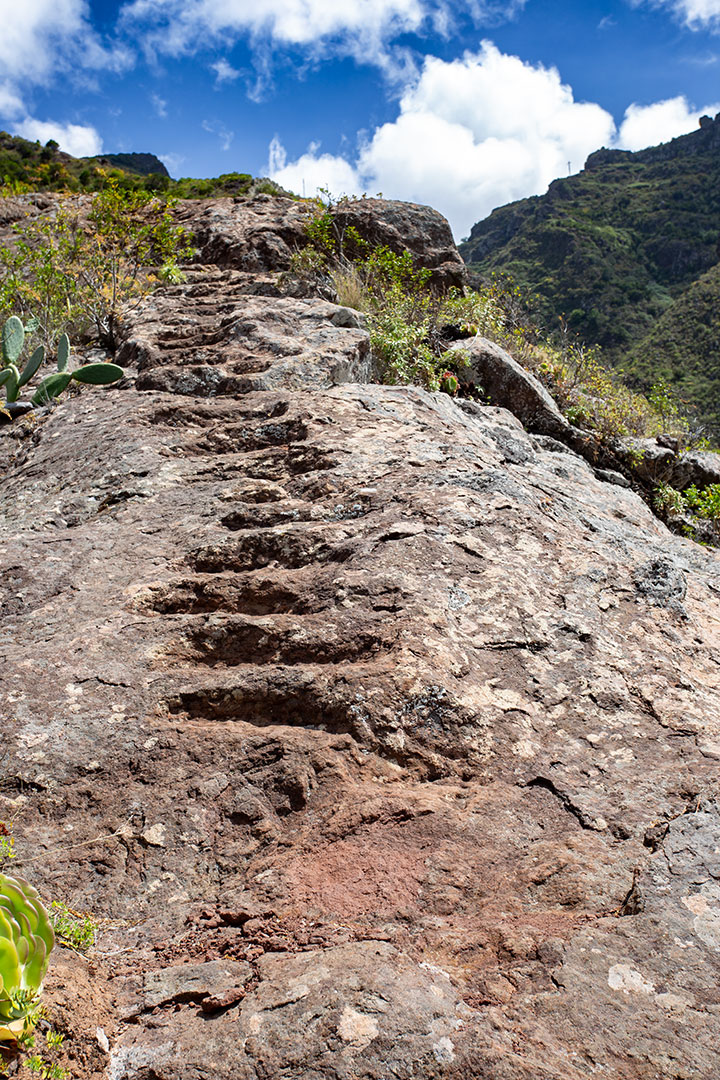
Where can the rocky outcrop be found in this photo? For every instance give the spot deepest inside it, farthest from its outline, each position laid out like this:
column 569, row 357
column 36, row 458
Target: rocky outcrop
column 261, row 233
column 382, row 736
column 186, row 341
column 401, row 226
column 253, row 235
column 492, row 372
column 699, row 467
column 662, row 461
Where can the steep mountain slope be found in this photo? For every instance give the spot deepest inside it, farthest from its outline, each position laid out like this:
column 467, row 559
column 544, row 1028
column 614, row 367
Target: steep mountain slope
column 616, row 246
column 683, row 346
column 381, row 735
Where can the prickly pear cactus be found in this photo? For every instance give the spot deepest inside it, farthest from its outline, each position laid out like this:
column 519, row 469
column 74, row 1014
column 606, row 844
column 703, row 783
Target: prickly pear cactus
column 12, row 339
column 98, row 374
column 26, row 940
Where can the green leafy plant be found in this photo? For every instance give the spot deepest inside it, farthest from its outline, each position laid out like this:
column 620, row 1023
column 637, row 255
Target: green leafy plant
column 13, row 377
column 704, row 502
column 449, row 383
column 72, row 929
column 37, row 275
column 41, row 1066
column 26, row 940
column 79, row 271
column 7, row 842
column 46, row 1070
column 668, row 501
column 664, row 401
column 695, row 510
column 128, row 232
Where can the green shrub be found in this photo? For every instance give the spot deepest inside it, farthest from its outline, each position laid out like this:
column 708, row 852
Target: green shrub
column 73, row 929
column 699, row 509
column 79, row 276
column 411, row 327
column 668, row 501
column 704, row 502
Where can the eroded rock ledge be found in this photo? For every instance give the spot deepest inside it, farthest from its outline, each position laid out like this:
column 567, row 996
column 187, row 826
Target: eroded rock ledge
column 383, row 735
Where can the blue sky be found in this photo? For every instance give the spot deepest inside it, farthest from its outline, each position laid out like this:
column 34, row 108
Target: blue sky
column 464, row 105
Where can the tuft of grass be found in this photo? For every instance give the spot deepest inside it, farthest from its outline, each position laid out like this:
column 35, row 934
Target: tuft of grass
column 350, row 286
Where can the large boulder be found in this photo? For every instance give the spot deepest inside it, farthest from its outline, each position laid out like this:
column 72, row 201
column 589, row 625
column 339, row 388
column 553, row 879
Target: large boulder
column 699, row 467
column 659, row 461
column 257, row 234
column 404, row 226
column 502, row 381
column 647, row 459
column 260, row 234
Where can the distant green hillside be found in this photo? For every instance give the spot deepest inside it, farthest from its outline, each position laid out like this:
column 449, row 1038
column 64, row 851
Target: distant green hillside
column 30, row 166
column 142, row 164
column 615, row 248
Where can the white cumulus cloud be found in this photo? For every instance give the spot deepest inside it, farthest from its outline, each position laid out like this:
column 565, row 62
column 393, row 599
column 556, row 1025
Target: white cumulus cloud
column 471, row 134
column 477, row 132
column 76, row 139
column 10, row 102
column 42, row 41
column 312, row 172
column 42, row 38
column 159, row 105
column 649, row 125
column 174, row 25
column 363, row 29
column 697, row 14
column 224, row 72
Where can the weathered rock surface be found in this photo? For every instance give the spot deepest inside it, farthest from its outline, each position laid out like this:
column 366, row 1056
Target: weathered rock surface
column 661, row 461
column 253, row 235
column 383, row 736
column 190, row 341
column 402, row 226
column 699, row 467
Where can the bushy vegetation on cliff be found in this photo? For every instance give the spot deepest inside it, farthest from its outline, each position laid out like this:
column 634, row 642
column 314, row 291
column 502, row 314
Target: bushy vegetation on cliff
column 683, row 347
column 412, row 326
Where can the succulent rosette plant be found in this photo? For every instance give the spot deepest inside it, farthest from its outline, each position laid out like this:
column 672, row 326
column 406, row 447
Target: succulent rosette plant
column 26, row 941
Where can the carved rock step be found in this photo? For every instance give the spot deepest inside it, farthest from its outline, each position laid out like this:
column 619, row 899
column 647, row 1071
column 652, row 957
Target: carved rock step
column 258, row 343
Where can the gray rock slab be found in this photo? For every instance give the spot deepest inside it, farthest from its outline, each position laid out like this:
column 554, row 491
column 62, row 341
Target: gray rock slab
column 504, row 382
